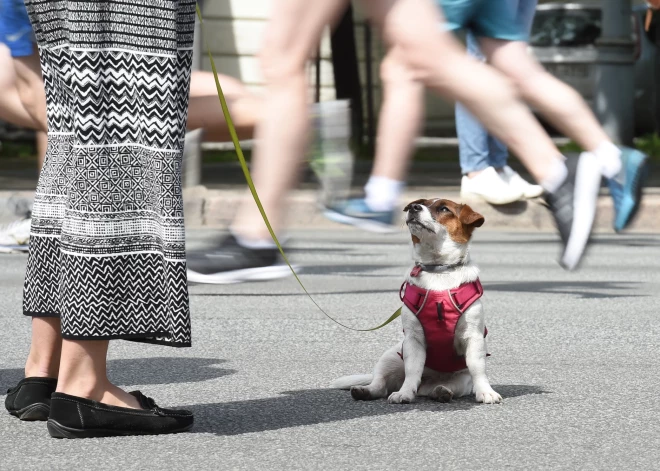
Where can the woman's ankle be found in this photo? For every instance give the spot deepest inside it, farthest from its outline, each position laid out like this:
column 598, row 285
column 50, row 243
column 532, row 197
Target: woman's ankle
column 46, row 348
column 41, row 369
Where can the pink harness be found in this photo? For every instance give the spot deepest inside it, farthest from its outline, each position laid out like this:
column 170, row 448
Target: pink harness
column 439, row 312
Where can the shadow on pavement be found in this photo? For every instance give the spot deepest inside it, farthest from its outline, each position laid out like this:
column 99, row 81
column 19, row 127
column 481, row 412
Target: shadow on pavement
column 275, row 295
column 580, row 289
column 157, row 370
column 316, row 406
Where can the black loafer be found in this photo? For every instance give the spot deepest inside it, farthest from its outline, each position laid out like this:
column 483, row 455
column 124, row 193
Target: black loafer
column 30, row 399
column 77, row 417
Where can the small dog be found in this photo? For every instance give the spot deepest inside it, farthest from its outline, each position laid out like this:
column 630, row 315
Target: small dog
column 443, row 353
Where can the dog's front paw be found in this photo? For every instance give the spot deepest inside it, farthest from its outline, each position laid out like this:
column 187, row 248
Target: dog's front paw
column 401, row 398
column 488, row 396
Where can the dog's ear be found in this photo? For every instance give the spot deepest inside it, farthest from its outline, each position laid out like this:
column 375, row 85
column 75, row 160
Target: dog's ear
column 419, row 201
column 470, row 218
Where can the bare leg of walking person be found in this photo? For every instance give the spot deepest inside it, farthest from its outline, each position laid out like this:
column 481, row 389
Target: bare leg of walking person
column 22, row 103
column 292, row 34
column 11, row 107
column 205, row 111
column 31, row 88
column 399, row 124
column 548, row 170
column 434, row 58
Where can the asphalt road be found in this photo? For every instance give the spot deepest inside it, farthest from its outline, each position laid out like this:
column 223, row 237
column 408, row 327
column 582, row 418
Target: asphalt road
column 575, row 356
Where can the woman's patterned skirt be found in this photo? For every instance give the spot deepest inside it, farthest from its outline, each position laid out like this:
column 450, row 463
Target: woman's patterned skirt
column 107, row 248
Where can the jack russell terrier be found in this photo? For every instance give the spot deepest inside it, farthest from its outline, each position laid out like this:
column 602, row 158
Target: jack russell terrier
column 443, row 353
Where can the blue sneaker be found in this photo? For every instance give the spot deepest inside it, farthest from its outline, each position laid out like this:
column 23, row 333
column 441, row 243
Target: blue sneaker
column 355, row 212
column 626, row 186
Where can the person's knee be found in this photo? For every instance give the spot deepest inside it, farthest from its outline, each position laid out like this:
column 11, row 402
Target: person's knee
column 278, row 68
column 395, row 71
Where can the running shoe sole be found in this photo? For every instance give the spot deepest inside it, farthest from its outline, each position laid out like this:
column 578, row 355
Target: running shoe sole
column 587, row 185
column 366, row 224
column 468, row 195
column 637, row 166
column 238, row 276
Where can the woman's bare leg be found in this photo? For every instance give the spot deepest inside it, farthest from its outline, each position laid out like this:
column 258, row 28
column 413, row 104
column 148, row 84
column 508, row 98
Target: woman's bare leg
column 41, row 139
column 44, row 357
column 83, row 373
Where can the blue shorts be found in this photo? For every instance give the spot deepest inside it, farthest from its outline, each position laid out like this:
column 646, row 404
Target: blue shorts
column 15, row 28
column 510, row 20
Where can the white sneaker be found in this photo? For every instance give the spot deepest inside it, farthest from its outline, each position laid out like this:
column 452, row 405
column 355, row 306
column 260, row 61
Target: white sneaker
column 15, row 236
column 518, row 183
column 489, row 186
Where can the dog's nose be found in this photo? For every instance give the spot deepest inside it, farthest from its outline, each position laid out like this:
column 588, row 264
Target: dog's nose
column 415, row 208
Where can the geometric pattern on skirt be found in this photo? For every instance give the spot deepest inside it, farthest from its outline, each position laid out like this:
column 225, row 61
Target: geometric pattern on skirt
column 107, row 247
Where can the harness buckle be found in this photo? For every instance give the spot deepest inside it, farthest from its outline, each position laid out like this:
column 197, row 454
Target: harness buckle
column 454, row 301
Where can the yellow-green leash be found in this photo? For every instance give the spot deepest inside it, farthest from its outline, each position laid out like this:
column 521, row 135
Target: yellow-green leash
column 248, row 179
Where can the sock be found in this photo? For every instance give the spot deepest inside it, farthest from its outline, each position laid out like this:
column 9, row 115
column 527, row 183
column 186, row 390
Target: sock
column 609, row 159
column 254, row 244
column 555, row 177
column 382, row 193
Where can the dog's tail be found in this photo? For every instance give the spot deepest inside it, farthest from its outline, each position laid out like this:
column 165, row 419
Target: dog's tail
column 346, row 382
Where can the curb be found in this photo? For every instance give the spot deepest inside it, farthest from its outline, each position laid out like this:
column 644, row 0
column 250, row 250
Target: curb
column 216, row 209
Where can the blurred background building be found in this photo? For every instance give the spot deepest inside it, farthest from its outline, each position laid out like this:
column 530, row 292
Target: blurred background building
column 564, row 39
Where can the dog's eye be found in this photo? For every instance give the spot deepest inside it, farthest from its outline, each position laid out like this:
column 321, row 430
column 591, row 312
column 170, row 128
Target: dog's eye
column 443, row 209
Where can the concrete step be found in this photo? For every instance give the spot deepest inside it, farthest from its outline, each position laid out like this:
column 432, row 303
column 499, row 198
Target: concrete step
column 216, row 208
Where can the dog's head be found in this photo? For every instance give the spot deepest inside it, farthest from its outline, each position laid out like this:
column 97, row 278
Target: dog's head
column 440, row 229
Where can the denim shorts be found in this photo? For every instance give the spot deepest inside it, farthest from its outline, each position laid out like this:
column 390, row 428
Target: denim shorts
column 509, row 20
column 15, row 28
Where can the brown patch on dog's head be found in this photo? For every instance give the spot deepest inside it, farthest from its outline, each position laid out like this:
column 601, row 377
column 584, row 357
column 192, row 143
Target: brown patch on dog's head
column 415, row 239
column 458, row 219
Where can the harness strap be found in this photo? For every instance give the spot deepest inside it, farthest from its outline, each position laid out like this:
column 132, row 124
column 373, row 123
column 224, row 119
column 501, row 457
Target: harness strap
column 462, row 297
column 465, row 295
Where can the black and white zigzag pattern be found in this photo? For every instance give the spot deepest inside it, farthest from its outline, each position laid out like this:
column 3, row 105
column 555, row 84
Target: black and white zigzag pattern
column 107, row 248
column 130, row 297
column 152, row 26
